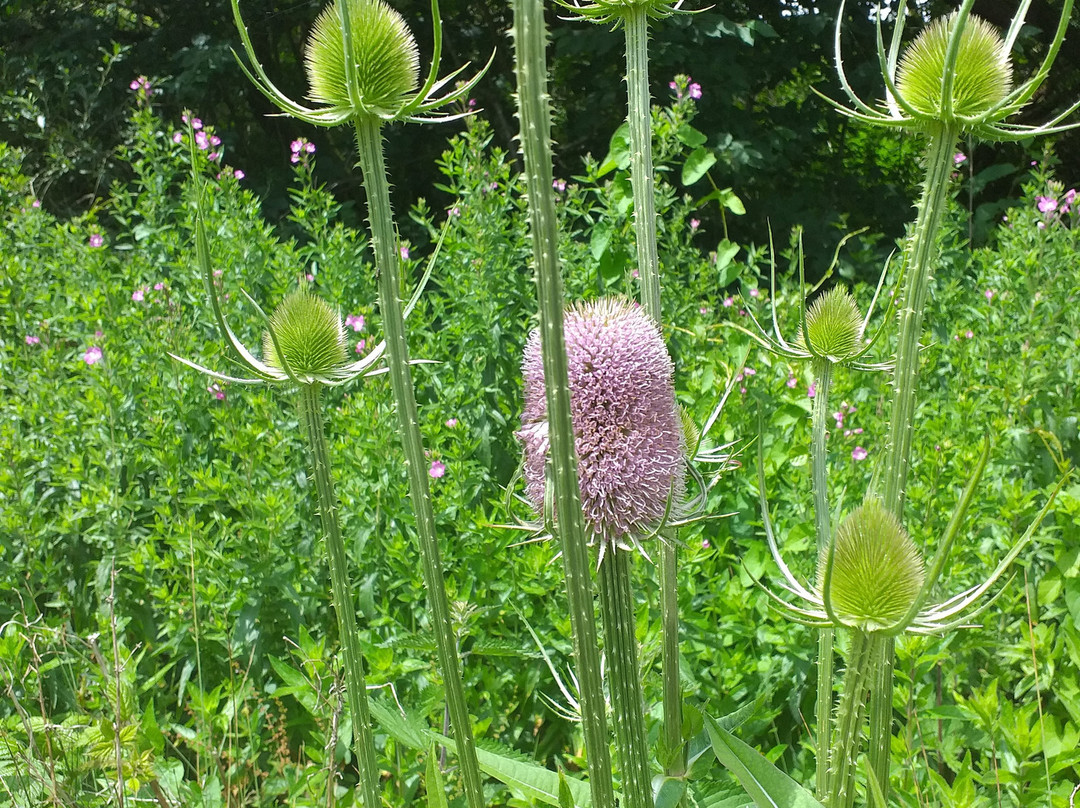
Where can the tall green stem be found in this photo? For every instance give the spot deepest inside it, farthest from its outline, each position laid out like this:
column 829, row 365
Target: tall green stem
column 311, row 415
column 818, row 474
column 639, row 119
column 530, row 64
column 624, row 677
column 922, row 251
column 381, row 220
column 849, row 718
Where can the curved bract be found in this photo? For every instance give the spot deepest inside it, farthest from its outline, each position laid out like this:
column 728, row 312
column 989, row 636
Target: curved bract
column 955, row 76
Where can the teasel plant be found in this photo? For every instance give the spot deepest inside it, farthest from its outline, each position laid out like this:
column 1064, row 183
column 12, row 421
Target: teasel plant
column 363, row 69
column 304, row 348
column 634, row 17
column 955, row 79
column 831, row 332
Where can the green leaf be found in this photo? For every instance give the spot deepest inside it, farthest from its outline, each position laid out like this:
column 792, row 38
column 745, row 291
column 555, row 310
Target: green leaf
column 725, row 254
column 566, row 797
column 691, row 136
column 436, row 791
column 767, row 785
column 670, row 793
column 699, row 161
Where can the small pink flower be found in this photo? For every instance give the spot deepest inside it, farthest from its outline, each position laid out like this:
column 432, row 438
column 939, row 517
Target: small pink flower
column 178, row 137
column 454, row 211
column 858, row 453
column 750, row 371
column 1046, row 204
column 989, row 294
column 695, row 224
column 215, row 140
column 202, row 141
column 239, row 174
column 36, row 203
column 361, row 345
column 451, row 422
column 729, row 302
column 811, row 391
column 703, row 310
column 969, row 334
column 694, row 90
column 96, row 240
column 355, row 322
column 138, row 295
column 437, row 470
column 742, row 390
column 472, row 103
column 216, row 391
column 1041, row 225
column 754, row 292
column 296, row 146
column 159, row 286
column 309, row 278
column 32, row 340
column 559, row 185
column 98, row 334
column 705, row 544
column 958, row 158
column 93, row 355
column 857, row 430
column 742, row 312
column 404, row 253
column 792, row 382
column 309, row 148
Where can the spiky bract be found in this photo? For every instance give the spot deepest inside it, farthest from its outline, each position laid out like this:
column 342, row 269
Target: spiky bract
column 387, row 59
column 834, row 325
column 627, row 429
column 877, row 570
column 983, row 70
column 310, row 334
column 615, row 11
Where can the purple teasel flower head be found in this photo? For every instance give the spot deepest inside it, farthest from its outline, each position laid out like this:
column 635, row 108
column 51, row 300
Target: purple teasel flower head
column 628, row 431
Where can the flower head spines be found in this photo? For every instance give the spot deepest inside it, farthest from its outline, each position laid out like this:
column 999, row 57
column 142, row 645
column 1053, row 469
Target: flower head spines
column 834, row 325
column 877, row 571
column 311, row 337
column 383, row 49
column 983, row 73
column 614, row 11
column 627, row 429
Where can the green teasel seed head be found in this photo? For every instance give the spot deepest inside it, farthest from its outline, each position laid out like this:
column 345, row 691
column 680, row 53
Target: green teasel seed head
column 311, row 337
column 983, row 70
column 834, row 325
column 615, row 11
column 877, row 570
column 691, row 431
column 383, row 48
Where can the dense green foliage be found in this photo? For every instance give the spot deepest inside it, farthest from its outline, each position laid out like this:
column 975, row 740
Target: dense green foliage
column 162, row 570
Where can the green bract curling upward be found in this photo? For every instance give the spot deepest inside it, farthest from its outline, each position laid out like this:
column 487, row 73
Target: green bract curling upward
column 957, row 75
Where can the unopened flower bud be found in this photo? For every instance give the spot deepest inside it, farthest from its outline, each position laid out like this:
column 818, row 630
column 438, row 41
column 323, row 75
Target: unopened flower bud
column 383, row 49
column 877, row 569
column 834, row 325
column 310, row 334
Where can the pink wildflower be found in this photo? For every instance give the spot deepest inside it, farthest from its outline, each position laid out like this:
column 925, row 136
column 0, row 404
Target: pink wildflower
column 32, row 340
column 729, row 302
column 159, row 286
column 694, row 91
column 361, row 345
column 792, row 382
column 559, row 185
column 1046, row 204
column 958, row 158
column 239, row 174
column 437, row 469
column 138, row 295
column 989, row 294
column 451, row 422
column 811, row 391
column 859, row 453
column 404, row 253
column 216, row 391
column 93, row 355
column 178, row 137
column 695, row 224
column 754, row 292
column 355, row 322
column 96, row 240
column 969, row 333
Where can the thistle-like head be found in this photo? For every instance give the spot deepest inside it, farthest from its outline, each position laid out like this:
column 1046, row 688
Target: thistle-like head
column 362, row 60
column 308, row 334
column 628, row 432
column 381, row 46
column 616, row 11
column 955, row 77
column 982, row 76
column 877, row 571
column 834, row 326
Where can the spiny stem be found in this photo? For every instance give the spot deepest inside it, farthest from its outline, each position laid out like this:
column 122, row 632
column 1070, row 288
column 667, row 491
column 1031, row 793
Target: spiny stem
column 381, row 221
column 355, row 684
column 624, row 677
column 849, row 718
column 639, row 119
column 819, row 466
column 922, row 252
column 530, row 64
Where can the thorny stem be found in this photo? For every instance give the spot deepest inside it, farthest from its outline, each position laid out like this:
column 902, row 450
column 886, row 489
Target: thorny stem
column 922, row 251
column 381, row 220
column 530, row 64
column 818, row 460
column 355, row 684
column 849, row 718
column 639, row 119
column 624, row 682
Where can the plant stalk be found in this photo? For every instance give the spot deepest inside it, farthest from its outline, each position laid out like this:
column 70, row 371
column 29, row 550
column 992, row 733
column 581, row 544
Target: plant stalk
column 818, row 474
column 355, row 684
column 922, row 252
column 639, row 120
column 530, row 65
column 849, row 718
column 381, row 220
column 624, row 677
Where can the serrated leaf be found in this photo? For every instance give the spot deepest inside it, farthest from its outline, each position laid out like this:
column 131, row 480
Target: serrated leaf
column 767, row 785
